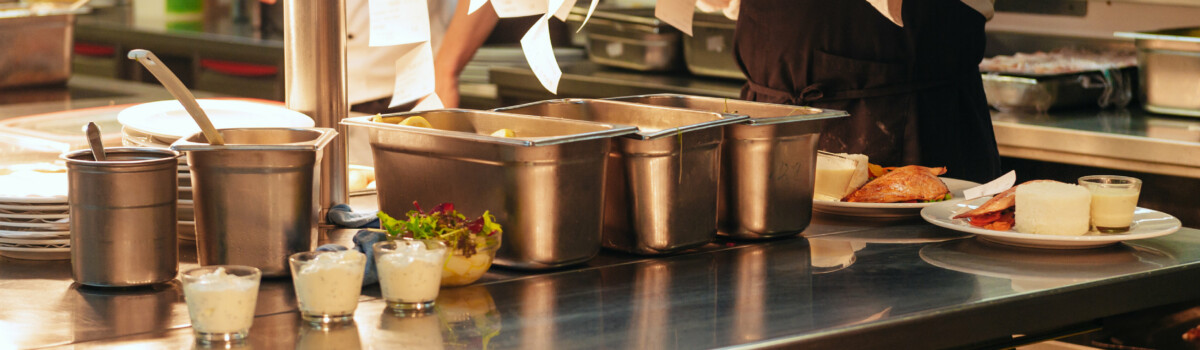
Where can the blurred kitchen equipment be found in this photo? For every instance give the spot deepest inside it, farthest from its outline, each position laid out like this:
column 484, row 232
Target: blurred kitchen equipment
column 709, row 51
column 38, row 40
column 1170, row 61
column 767, row 163
column 93, row 136
column 1063, row 78
column 661, row 185
column 122, row 216
column 545, row 186
column 254, row 197
column 630, row 38
column 181, row 93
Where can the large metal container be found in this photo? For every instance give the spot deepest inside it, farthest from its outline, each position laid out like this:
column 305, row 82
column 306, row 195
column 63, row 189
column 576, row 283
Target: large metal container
column 661, row 182
column 545, row 187
column 35, row 45
column 122, row 216
column 254, row 196
column 631, row 38
column 1169, row 61
column 767, row 163
column 709, row 51
column 1041, row 93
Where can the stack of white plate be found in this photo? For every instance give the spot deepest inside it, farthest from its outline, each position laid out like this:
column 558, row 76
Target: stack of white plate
column 159, row 124
column 33, row 213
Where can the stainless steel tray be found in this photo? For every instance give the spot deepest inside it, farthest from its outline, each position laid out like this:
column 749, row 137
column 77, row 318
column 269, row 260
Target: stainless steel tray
column 631, row 38
column 767, row 163
column 37, row 44
column 546, row 187
column 1170, row 62
column 1040, row 93
column 661, row 184
column 709, row 51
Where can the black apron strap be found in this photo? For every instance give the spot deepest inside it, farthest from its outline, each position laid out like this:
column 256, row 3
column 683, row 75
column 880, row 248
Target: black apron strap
column 815, row 92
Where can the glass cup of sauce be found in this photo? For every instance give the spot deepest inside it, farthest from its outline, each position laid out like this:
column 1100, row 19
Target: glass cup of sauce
column 410, row 274
column 328, row 284
column 1114, row 199
column 220, row 301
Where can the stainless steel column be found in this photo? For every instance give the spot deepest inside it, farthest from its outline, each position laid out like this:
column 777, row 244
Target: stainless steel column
column 314, row 68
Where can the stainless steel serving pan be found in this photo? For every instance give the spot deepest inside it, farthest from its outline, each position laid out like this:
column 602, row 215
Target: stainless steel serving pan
column 661, row 182
column 709, row 51
column 1169, row 61
column 545, row 187
column 1040, row 93
column 767, row 163
column 630, row 38
column 37, row 44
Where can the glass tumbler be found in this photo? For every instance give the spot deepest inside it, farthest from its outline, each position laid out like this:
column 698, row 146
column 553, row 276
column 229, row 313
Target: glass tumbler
column 410, row 273
column 220, row 301
column 328, row 284
column 1114, row 199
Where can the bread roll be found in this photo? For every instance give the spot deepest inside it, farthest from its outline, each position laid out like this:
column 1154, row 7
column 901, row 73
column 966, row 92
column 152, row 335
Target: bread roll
column 1052, row 208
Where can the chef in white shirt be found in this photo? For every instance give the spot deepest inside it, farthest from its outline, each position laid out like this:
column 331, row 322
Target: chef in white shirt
column 371, row 71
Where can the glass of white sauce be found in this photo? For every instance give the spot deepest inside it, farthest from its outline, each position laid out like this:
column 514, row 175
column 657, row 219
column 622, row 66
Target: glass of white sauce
column 1114, row 199
column 328, row 284
column 220, row 301
column 410, row 274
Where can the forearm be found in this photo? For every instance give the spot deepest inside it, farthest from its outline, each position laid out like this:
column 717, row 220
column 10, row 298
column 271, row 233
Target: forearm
column 464, row 36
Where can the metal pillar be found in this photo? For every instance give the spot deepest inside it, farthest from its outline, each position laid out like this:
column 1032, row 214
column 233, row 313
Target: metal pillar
column 314, row 68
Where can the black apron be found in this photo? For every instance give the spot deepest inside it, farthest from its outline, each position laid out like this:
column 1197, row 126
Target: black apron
column 914, row 93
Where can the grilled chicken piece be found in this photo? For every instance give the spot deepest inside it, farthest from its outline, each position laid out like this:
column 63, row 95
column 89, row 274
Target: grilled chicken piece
column 999, row 202
column 909, row 183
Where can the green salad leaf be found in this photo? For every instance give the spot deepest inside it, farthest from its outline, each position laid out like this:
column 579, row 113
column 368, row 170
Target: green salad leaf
column 445, row 224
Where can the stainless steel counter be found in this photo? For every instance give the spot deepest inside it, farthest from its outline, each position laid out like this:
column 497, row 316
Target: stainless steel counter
column 846, row 284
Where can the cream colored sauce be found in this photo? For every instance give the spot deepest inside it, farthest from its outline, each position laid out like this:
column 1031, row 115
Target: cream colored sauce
column 410, row 277
column 221, row 303
column 1113, row 207
column 330, row 283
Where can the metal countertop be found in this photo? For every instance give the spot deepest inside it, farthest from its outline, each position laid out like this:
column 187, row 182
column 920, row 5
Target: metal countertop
column 846, row 283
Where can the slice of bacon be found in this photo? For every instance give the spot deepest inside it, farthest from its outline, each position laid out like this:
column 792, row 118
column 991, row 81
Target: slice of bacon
column 999, row 202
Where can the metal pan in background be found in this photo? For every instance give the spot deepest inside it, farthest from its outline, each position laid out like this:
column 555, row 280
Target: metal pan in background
column 709, row 51
column 1169, row 62
column 630, row 38
column 1041, row 93
column 661, row 183
column 767, row 163
column 545, row 187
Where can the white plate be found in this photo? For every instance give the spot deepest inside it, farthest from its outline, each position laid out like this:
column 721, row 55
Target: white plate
column 34, row 234
column 1147, row 223
column 34, row 207
column 889, row 210
column 36, row 253
column 168, row 119
column 33, row 211
column 24, row 217
column 35, row 241
column 35, row 226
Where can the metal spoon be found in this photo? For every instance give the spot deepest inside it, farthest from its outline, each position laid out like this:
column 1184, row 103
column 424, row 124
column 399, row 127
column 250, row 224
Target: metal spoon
column 93, row 136
column 181, row 93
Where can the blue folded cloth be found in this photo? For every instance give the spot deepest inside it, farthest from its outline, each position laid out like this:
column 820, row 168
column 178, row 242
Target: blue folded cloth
column 344, row 216
column 363, row 241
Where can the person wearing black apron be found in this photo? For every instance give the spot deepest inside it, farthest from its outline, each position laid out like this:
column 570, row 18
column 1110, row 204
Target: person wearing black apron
column 914, row 93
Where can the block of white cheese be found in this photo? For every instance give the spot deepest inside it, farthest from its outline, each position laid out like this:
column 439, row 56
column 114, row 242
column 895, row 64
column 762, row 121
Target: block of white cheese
column 1052, row 208
column 837, row 176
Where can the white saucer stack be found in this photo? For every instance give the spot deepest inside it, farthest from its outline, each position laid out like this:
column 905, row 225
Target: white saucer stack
column 34, row 212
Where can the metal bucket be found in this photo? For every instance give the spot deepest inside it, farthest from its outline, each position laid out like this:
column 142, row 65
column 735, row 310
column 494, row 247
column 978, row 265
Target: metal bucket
column 545, row 187
column 767, row 163
column 253, row 197
column 122, row 216
column 661, row 184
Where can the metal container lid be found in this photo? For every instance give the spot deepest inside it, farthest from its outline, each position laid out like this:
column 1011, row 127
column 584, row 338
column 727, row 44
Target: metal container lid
column 123, row 157
column 652, row 121
column 260, row 139
column 623, row 19
column 477, row 125
column 758, row 113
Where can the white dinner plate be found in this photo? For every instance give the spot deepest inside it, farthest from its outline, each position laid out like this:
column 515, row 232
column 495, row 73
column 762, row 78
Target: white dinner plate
column 168, row 120
column 33, row 211
column 33, row 234
column 34, row 207
column 35, row 241
column 32, row 217
column 35, row 226
column 1147, row 223
column 37, row 253
column 889, row 210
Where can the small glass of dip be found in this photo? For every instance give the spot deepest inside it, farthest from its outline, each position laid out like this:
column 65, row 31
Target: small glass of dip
column 1114, row 199
column 410, row 274
column 328, row 284
column 220, row 301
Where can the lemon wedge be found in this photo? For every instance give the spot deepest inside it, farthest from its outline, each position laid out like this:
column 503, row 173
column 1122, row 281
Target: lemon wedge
column 416, row 121
column 504, row 133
